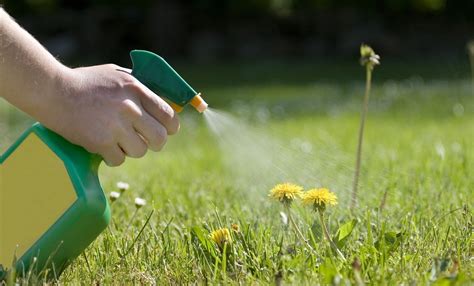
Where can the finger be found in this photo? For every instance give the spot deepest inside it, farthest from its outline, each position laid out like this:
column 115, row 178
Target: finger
column 132, row 144
column 113, row 156
column 159, row 109
column 152, row 130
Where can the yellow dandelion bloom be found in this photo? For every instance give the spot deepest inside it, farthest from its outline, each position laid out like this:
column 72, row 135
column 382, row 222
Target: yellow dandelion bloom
column 286, row 192
column 319, row 198
column 221, row 236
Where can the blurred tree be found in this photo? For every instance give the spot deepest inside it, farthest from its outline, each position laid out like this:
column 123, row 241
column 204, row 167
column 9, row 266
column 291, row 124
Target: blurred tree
column 213, row 29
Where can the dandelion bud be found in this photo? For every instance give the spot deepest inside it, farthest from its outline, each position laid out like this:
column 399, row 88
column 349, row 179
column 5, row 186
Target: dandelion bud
column 122, row 186
column 113, row 196
column 139, row 202
column 235, row 227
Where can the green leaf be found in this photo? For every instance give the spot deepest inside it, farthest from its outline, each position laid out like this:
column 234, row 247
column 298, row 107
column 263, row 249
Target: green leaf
column 344, row 232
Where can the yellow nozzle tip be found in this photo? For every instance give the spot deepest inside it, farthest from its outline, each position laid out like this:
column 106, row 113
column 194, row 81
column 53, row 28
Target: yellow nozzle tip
column 198, row 103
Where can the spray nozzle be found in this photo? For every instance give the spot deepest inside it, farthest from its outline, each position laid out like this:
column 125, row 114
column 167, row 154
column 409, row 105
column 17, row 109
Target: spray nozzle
column 154, row 72
column 198, row 103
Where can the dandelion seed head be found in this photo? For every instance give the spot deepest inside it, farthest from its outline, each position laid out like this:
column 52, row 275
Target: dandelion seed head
column 221, row 236
column 139, row 202
column 368, row 57
column 286, row 192
column 113, row 196
column 319, row 198
column 122, row 186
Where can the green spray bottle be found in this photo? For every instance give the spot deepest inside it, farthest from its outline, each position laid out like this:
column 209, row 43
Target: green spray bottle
column 52, row 205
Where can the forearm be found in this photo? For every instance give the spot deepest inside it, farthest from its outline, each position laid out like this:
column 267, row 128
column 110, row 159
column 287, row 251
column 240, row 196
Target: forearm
column 29, row 74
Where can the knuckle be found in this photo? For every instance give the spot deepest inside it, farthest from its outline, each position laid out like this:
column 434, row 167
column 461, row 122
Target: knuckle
column 132, row 85
column 114, row 161
column 120, row 159
column 170, row 120
column 159, row 140
column 138, row 152
column 106, row 143
column 129, row 108
column 91, row 148
column 112, row 66
column 111, row 163
column 173, row 126
column 142, row 151
column 99, row 144
column 168, row 113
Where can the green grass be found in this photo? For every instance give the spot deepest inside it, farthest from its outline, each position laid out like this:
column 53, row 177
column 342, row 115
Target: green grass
column 418, row 152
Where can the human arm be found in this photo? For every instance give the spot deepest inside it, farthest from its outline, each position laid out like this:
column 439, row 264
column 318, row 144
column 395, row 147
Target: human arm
column 102, row 108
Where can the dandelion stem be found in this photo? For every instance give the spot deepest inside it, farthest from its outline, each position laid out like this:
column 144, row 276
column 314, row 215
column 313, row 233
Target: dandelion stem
column 384, row 200
column 297, row 229
column 361, row 136
column 328, row 237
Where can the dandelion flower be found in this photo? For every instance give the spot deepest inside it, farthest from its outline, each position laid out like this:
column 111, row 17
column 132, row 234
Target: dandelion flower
column 319, row 198
column 113, row 196
column 286, row 193
column 122, row 186
column 221, row 236
column 139, row 202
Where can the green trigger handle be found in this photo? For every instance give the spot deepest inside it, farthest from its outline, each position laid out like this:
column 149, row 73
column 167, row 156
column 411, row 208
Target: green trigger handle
column 155, row 73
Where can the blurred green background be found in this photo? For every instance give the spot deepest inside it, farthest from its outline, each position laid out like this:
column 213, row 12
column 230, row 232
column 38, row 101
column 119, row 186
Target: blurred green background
column 84, row 31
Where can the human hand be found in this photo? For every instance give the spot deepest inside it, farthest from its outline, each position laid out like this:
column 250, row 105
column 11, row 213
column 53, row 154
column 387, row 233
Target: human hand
column 109, row 112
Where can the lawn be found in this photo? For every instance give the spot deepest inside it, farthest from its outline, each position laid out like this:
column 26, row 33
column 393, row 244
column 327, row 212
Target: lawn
column 299, row 123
